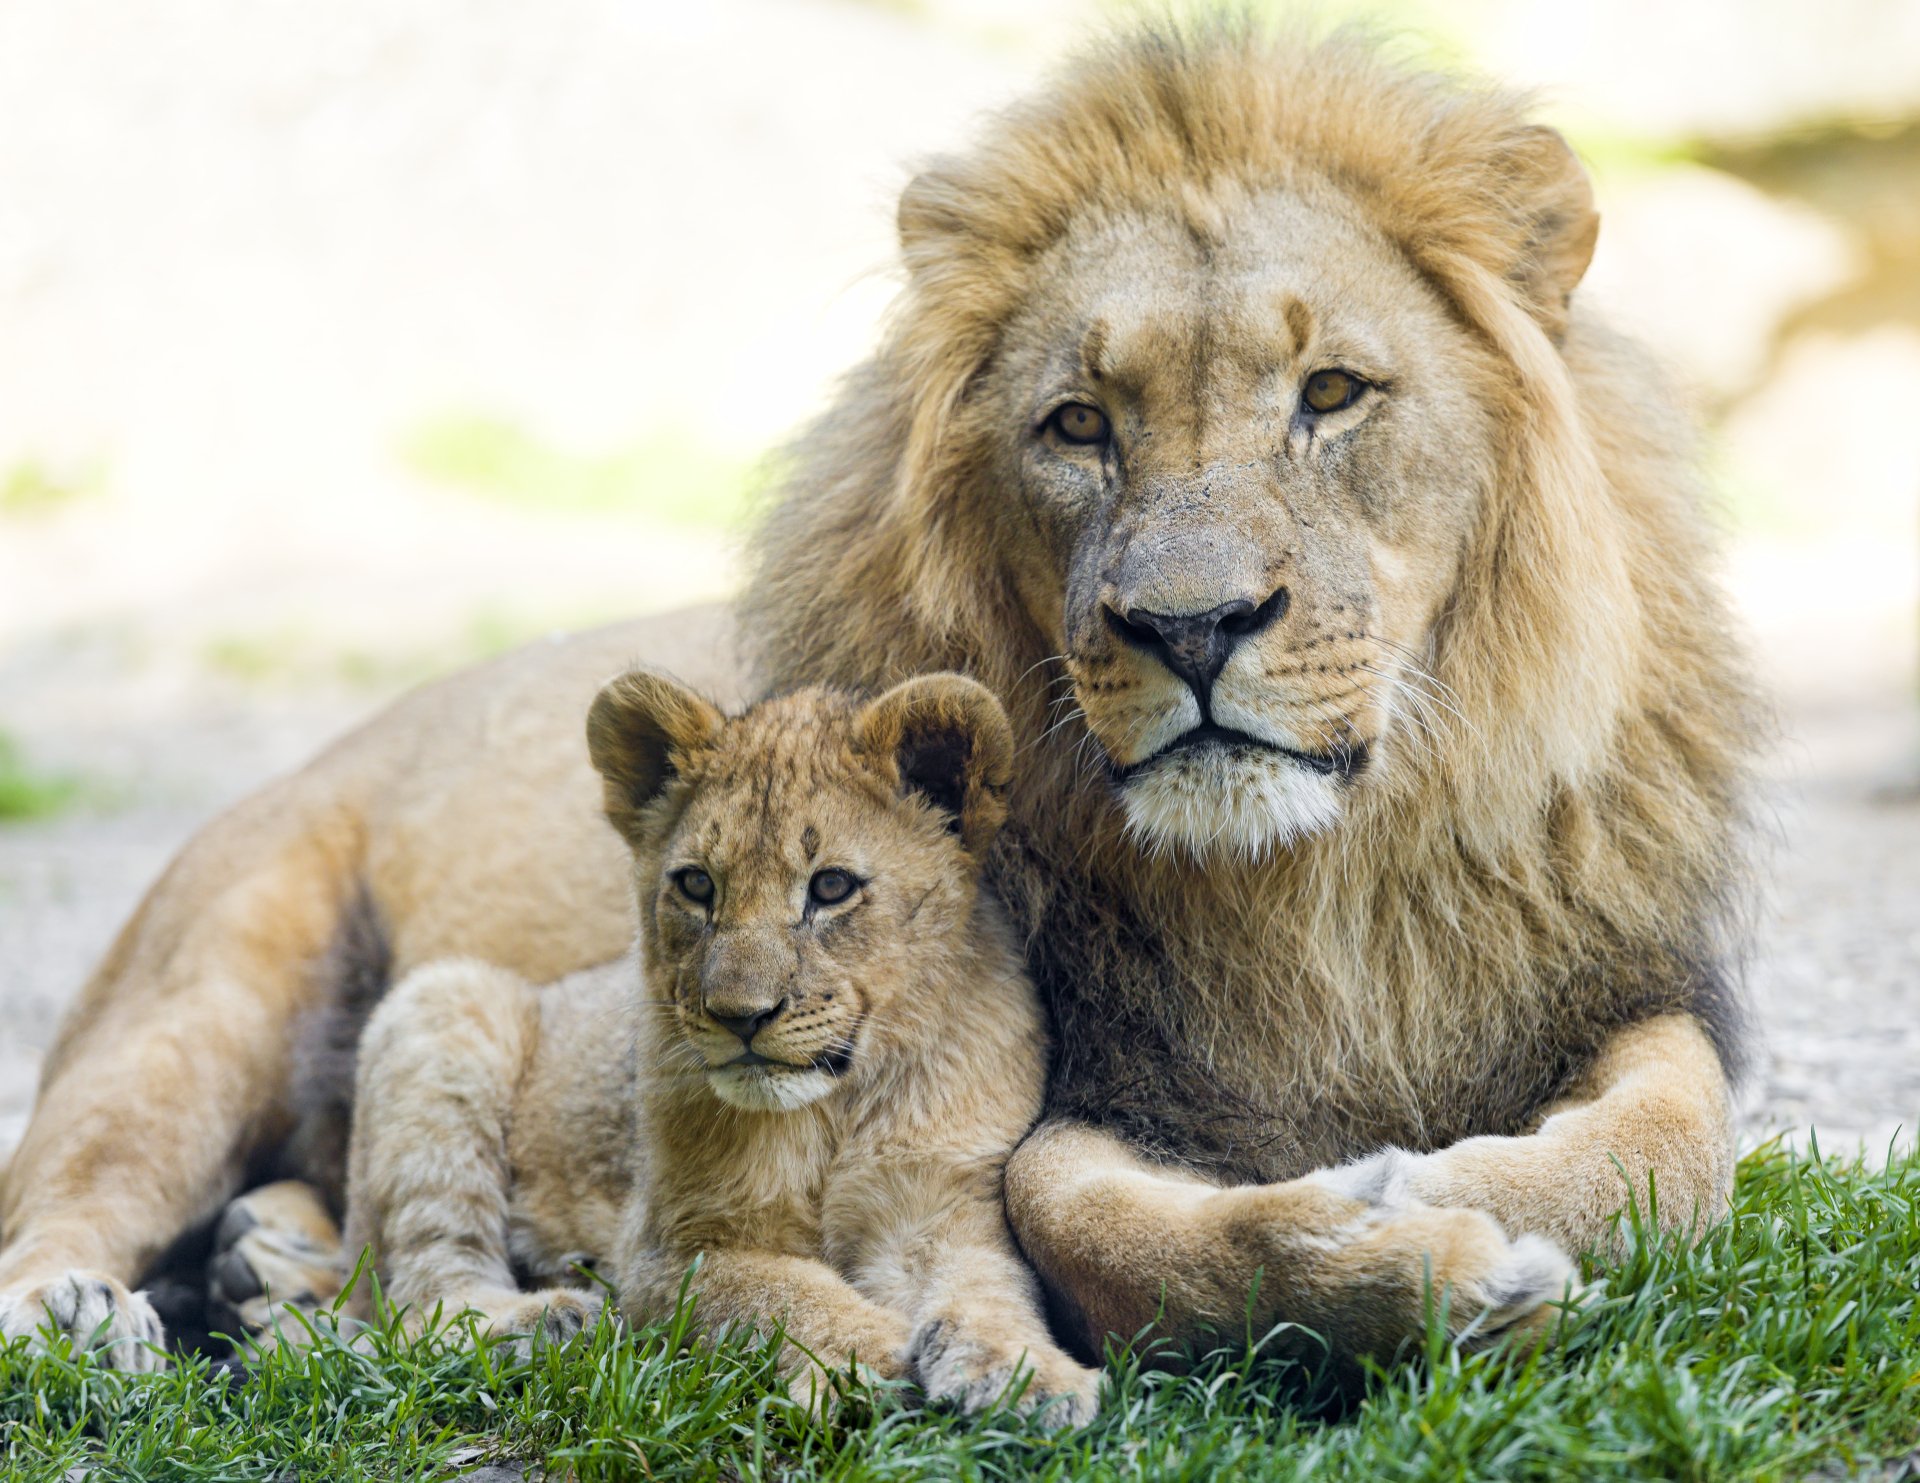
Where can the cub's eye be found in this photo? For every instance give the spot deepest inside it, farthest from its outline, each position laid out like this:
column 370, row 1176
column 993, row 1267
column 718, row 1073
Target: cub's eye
column 1078, row 423
column 696, row 885
column 830, row 887
column 1329, row 391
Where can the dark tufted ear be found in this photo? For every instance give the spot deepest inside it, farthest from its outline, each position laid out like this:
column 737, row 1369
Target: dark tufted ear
column 1555, row 197
column 638, row 724
column 946, row 738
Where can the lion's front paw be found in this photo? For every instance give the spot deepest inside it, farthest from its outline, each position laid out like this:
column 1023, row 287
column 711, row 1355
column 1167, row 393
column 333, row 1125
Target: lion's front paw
column 536, row 1320
column 1497, row 1286
column 1382, row 1179
column 1493, row 1287
column 958, row 1367
column 276, row 1247
column 93, row 1312
column 1523, row 1295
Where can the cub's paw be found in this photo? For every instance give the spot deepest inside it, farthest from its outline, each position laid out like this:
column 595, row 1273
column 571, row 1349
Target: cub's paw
column 972, row 1372
column 823, row 1394
column 94, row 1312
column 536, row 1320
column 276, row 1247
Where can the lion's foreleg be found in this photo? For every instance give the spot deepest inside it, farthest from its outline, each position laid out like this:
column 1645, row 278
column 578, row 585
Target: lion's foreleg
column 139, row 1134
column 1651, row 1121
column 1129, row 1245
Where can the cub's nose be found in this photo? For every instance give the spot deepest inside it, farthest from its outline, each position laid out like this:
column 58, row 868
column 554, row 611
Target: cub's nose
column 745, row 1025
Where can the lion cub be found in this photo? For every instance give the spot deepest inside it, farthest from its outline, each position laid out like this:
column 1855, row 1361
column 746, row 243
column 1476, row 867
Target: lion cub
column 811, row 1079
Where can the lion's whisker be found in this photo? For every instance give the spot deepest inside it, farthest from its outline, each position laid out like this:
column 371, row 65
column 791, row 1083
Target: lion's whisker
column 1049, row 659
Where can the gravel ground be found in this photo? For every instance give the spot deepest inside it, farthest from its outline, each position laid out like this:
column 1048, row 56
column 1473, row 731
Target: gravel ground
column 1838, row 979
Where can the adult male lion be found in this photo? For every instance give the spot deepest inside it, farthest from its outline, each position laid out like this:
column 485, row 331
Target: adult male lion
column 1383, row 744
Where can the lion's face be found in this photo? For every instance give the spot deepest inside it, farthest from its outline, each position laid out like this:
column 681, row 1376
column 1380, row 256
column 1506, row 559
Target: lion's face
column 1247, row 444
column 798, row 865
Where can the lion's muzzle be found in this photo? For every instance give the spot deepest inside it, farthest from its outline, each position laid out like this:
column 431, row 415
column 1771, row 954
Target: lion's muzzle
column 1211, row 660
column 1196, row 646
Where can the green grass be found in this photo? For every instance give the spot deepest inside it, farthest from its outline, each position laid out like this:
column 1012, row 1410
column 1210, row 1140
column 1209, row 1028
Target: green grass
column 1788, row 1341
column 28, row 793
column 30, row 490
column 668, row 475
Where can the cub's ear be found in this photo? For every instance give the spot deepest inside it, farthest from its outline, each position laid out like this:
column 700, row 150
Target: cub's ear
column 638, row 723
column 1555, row 198
column 946, row 738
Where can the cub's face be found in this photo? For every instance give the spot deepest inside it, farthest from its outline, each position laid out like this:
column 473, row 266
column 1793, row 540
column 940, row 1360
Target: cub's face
column 797, row 866
column 788, row 902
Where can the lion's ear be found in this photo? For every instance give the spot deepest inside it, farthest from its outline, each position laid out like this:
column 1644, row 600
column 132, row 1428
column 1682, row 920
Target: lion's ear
column 930, row 209
column 1553, row 193
column 638, row 725
column 947, row 739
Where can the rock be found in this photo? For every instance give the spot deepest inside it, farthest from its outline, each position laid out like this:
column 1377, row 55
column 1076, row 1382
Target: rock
column 1710, row 67
column 1828, row 442
column 1707, row 268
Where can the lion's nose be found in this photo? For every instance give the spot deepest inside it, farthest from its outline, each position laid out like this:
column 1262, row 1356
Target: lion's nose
column 749, row 1024
column 1196, row 646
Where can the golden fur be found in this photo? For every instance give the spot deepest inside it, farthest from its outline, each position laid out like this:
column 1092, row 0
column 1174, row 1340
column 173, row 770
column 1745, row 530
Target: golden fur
column 1497, row 592
column 176, row 1075
column 1470, row 874
column 849, row 1182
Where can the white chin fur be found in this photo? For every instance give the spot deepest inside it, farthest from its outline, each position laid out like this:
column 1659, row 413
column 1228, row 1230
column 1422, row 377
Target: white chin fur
column 768, row 1088
column 1216, row 802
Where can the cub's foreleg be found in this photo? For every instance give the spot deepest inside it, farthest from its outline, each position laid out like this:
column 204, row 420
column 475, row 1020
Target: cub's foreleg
column 1127, row 1244
column 980, row 1320
column 822, row 1313
column 1654, row 1113
column 428, row 1179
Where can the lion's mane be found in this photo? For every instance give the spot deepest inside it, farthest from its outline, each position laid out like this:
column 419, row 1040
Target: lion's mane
column 1564, row 854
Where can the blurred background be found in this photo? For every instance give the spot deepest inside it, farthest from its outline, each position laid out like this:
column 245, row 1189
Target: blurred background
column 343, row 344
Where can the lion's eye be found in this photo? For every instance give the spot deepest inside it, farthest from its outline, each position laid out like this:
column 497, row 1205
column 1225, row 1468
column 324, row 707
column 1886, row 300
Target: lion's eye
column 1329, row 391
column 695, row 884
column 830, row 887
column 1078, row 423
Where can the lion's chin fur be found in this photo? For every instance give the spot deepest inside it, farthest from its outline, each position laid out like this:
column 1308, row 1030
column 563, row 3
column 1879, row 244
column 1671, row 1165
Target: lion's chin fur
column 763, row 1089
column 1214, row 804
